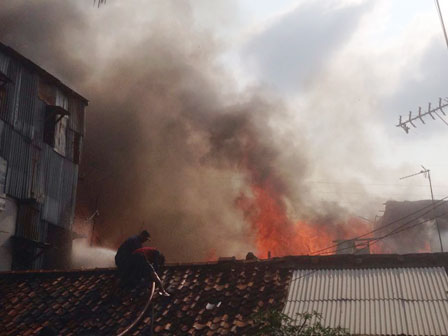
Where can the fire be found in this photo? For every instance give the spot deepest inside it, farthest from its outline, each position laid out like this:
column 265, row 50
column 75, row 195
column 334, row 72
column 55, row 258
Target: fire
column 425, row 249
column 275, row 232
column 211, row 255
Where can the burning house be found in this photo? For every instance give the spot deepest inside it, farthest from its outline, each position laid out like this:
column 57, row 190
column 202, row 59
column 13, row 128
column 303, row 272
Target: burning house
column 41, row 133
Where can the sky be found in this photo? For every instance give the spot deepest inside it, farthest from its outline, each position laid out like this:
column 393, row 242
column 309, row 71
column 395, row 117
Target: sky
column 299, row 98
column 352, row 67
column 347, row 70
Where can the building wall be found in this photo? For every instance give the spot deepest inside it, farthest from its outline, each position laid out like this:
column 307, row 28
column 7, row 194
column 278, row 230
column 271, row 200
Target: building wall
column 8, row 219
column 41, row 131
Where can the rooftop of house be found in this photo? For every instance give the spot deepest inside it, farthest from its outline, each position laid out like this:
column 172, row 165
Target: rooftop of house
column 215, row 298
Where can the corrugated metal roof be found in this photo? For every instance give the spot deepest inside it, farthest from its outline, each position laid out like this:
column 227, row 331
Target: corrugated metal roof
column 393, row 301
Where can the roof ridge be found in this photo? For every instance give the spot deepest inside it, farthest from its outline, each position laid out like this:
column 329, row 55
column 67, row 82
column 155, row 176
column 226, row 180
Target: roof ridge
column 298, row 262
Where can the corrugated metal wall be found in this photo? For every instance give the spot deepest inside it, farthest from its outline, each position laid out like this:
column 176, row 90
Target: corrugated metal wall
column 29, row 223
column 27, row 104
column 12, row 93
column 4, row 63
column 60, row 177
column 18, row 152
column 395, row 301
column 34, row 169
column 76, row 121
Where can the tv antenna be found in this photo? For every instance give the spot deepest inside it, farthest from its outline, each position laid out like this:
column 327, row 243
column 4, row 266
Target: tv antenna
column 405, row 124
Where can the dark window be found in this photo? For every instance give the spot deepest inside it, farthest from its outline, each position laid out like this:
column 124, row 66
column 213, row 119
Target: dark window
column 53, row 116
column 49, row 129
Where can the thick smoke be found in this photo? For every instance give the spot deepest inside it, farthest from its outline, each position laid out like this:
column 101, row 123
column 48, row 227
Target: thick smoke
column 170, row 146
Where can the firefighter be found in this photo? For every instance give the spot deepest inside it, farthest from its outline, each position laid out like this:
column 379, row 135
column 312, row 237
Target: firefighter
column 126, row 261
column 151, row 260
column 135, row 262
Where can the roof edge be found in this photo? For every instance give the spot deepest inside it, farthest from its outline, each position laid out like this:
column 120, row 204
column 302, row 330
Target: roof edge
column 12, row 52
column 344, row 261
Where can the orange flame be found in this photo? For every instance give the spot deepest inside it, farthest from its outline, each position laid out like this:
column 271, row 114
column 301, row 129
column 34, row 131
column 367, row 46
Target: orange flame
column 211, row 255
column 276, row 233
column 425, row 249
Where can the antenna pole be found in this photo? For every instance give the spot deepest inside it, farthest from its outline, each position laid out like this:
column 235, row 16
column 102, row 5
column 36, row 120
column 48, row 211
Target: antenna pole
column 428, row 172
column 439, row 11
column 432, row 199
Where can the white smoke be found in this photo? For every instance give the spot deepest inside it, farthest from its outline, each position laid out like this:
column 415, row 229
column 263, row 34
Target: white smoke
column 85, row 256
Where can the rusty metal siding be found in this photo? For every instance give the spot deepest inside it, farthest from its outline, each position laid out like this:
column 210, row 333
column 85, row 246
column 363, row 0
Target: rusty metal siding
column 20, row 105
column 4, row 63
column 410, row 301
column 4, row 66
column 39, row 121
column 26, row 104
column 60, row 134
column 12, row 93
column 17, row 151
column 70, row 144
column 43, row 181
column 29, row 224
column 68, row 193
column 76, row 120
column 52, row 170
column 60, row 185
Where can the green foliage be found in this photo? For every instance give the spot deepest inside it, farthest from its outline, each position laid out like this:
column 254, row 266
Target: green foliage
column 275, row 323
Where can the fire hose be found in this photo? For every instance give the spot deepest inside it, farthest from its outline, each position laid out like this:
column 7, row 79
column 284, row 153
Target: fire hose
column 138, row 318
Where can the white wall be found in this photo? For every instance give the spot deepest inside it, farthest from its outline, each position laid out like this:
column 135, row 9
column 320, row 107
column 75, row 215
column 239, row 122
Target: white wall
column 8, row 219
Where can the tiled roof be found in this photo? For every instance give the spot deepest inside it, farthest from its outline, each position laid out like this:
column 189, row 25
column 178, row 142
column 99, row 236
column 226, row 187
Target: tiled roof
column 394, row 301
column 208, row 299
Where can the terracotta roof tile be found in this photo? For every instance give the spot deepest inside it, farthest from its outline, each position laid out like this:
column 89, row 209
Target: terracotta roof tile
column 207, row 298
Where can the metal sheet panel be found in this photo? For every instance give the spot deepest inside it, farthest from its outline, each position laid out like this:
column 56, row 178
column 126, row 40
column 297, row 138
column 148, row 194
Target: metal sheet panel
column 68, row 193
column 76, row 109
column 20, row 106
column 18, row 152
column 9, row 110
column 3, row 170
column 4, row 63
column 29, row 224
column 61, row 176
column 60, row 136
column 70, row 144
column 52, row 172
column 26, row 104
column 39, row 121
column 411, row 301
